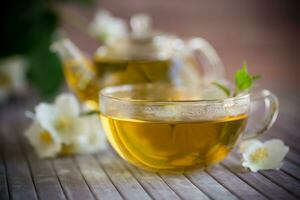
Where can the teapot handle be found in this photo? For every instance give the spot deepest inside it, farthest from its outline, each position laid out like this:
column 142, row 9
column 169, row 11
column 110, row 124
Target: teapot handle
column 208, row 57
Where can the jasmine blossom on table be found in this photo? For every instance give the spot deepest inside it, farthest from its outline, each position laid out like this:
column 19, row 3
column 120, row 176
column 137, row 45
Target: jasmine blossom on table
column 257, row 155
column 60, row 124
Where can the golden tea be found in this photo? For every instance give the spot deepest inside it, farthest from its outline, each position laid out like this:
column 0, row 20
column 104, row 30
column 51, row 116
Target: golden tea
column 173, row 128
column 173, row 146
column 134, row 59
column 87, row 79
column 82, row 81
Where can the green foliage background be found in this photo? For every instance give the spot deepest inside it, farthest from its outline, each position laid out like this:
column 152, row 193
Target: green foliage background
column 29, row 27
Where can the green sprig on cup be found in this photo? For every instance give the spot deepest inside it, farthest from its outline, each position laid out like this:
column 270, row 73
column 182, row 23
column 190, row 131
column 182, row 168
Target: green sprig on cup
column 243, row 82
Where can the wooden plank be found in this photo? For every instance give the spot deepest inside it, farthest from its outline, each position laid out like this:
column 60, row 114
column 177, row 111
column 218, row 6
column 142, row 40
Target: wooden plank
column 183, row 187
column 71, row 180
column 124, row 181
column 209, row 185
column 286, row 178
column 18, row 172
column 44, row 176
column 293, row 156
column 96, row 178
column 3, row 179
column 290, row 140
column 256, row 180
column 288, row 123
column 233, row 183
column 288, row 135
column 283, row 180
column 291, row 169
column 152, row 183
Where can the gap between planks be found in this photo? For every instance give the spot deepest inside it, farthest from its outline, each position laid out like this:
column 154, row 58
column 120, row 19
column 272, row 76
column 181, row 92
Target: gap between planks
column 19, row 177
column 4, row 190
column 257, row 180
column 279, row 177
column 123, row 180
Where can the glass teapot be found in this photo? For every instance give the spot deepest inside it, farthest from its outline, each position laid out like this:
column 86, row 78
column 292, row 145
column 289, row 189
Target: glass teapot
column 144, row 56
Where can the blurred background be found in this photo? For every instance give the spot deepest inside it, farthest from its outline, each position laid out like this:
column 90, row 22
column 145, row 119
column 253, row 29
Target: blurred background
column 265, row 33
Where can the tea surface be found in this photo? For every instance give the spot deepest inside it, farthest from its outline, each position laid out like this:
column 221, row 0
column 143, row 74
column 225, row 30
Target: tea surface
column 173, row 146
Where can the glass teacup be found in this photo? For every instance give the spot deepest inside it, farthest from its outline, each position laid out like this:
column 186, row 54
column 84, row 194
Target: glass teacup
column 163, row 127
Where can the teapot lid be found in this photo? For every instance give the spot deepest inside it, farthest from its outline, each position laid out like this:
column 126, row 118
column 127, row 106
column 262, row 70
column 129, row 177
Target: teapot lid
column 142, row 43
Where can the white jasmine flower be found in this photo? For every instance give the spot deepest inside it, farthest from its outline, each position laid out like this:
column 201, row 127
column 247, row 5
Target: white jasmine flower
column 106, row 27
column 262, row 156
column 62, row 117
column 93, row 139
column 46, row 144
column 58, row 129
column 12, row 76
column 248, row 143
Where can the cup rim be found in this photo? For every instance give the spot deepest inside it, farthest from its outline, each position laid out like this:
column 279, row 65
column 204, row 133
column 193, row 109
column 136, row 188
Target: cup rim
column 106, row 93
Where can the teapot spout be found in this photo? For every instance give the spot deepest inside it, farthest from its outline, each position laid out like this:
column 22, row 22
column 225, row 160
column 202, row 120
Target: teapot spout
column 67, row 50
column 79, row 72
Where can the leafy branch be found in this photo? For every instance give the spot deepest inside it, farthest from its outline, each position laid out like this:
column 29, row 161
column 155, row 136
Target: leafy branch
column 28, row 29
column 243, row 82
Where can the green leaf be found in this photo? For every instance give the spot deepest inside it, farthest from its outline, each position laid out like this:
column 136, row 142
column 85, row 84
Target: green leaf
column 44, row 69
column 243, row 80
column 222, row 87
column 256, row 77
column 27, row 29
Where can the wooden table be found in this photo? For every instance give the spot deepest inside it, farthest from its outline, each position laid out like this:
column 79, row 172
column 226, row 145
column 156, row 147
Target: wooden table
column 269, row 41
column 106, row 176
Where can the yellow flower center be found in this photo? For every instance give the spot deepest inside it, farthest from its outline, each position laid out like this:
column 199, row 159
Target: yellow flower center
column 62, row 123
column 67, row 150
column 259, row 154
column 46, row 137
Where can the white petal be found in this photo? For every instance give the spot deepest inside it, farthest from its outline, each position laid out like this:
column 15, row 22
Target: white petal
column 82, row 146
column 276, row 153
column 46, row 115
column 247, row 160
column 88, row 144
column 68, row 104
column 251, row 149
column 44, row 150
column 17, row 71
column 33, row 130
column 93, row 139
column 244, row 145
column 49, row 151
column 14, row 67
column 76, row 127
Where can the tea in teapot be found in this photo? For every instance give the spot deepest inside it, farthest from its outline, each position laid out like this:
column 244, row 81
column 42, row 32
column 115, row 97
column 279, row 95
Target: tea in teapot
column 145, row 56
